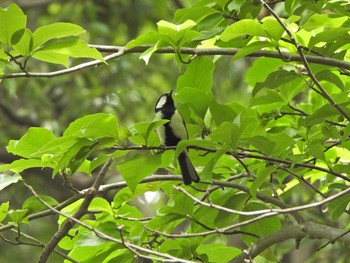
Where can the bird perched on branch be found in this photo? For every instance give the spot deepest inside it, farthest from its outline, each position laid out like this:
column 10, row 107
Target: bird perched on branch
column 172, row 132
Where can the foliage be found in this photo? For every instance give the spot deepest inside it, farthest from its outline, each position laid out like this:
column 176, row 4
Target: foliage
column 285, row 143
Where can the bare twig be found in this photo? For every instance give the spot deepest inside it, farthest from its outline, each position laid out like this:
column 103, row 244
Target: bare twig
column 333, row 240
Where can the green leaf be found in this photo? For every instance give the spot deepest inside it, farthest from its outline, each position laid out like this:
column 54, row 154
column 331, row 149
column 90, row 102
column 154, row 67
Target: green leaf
column 252, row 47
column 263, row 144
column 194, row 12
column 148, row 38
column 320, row 115
column 221, row 113
column 243, row 27
column 146, row 55
column 265, row 97
column 94, row 126
column 276, row 79
column 177, row 34
column 6, row 179
column 31, row 142
column 52, row 57
column 21, row 165
column 227, row 133
column 126, row 194
column 316, row 150
column 206, row 174
column 4, row 208
column 22, row 41
column 262, row 175
column 261, row 68
column 32, row 204
column 273, row 28
column 12, row 20
column 120, row 255
column 102, row 204
column 57, row 30
column 197, row 100
column 137, row 168
column 324, row 20
column 329, row 76
column 338, row 206
column 218, row 253
column 75, row 155
column 198, row 75
column 18, row 216
column 145, row 129
column 329, row 35
column 75, row 48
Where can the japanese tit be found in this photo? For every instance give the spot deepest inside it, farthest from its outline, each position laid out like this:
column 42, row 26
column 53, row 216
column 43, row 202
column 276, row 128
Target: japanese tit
column 172, row 132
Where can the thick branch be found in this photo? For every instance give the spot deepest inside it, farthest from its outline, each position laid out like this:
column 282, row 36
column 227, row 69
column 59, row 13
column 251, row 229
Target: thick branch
column 297, row 232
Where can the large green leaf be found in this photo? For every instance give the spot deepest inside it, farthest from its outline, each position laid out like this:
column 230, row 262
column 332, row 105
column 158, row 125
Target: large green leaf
column 12, row 20
column 177, row 34
column 32, row 204
column 198, row 75
column 324, row 20
column 22, row 41
column 138, row 167
column 21, row 165
column 57, row 30
column 62, row 49
column 243, row 27
column 218, row 253
column 94, row 126
column 276, row 79
column 338, row 206
column 197, row 100
column 31, row 142
column 325, row 112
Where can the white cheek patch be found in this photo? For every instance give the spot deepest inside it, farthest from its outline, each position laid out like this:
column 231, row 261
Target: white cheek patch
column 178, row 126
column 161, row 102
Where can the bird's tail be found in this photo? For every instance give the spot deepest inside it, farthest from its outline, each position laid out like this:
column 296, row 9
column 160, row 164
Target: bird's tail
column 189, row 173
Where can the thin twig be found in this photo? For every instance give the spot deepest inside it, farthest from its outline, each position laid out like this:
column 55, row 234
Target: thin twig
column 265, row 211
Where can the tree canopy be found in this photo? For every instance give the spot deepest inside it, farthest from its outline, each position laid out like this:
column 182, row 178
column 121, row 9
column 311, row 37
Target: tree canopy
column 263, row 87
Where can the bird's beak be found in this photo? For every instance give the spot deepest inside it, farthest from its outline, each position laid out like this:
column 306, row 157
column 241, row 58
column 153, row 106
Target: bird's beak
column 170, row 93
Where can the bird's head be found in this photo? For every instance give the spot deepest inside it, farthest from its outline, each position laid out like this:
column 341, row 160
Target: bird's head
column 165, row 102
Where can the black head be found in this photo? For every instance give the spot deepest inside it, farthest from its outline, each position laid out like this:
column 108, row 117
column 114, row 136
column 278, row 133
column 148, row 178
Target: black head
column 165, row 102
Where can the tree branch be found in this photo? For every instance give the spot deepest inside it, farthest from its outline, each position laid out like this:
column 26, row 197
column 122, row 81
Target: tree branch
column 297, row 232
column 120, row 51
column 68, row 224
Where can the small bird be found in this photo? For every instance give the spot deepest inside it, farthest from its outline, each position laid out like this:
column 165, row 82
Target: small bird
column 172, row 132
